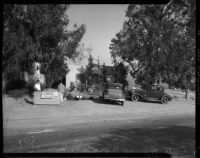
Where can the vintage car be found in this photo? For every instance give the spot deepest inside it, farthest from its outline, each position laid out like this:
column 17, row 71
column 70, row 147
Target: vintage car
column 149, row 93
column 114, row 91
column 78, row 97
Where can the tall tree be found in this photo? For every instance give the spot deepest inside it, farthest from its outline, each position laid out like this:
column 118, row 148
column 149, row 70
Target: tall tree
column 82, row 75
column 89, row 70
column 104, row 73
column 38, row 33
column 158, row 42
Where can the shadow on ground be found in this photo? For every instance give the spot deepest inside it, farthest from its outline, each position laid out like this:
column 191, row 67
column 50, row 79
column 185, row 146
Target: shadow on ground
column 175, row 140
column 29, row 101
column 109, row 102
column 145, row 101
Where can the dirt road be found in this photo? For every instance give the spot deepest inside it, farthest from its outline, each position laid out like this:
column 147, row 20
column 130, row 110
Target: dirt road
column 169, row 135
column 87, row 126
column 18, row 115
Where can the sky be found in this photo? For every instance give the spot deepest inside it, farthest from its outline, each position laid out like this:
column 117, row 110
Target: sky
column 102, row 23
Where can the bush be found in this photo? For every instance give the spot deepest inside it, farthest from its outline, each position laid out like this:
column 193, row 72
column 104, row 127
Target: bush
column 18, row 93
column 81, row 87
column 15, row 85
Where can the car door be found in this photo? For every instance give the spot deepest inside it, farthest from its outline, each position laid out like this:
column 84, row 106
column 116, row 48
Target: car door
column 159, row 92
column 146, row 93
column 151, row 93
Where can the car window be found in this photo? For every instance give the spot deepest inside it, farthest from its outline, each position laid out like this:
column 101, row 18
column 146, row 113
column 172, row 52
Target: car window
column 145, row 87
column 158, row 88
column 148, row 88
column 153, row 88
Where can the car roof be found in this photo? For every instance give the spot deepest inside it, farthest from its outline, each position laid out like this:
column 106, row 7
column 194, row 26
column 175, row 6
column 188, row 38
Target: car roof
column 116, row 84
column 151, row 85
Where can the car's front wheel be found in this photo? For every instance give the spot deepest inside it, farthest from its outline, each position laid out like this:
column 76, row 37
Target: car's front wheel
column 135, row 97
column 164, row 100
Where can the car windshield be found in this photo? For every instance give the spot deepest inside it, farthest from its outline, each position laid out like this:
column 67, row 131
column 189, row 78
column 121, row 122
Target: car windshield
column 115, row 86
column 146, row 87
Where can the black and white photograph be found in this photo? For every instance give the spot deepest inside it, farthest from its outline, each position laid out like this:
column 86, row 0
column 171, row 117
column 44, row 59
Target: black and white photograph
column 99, row 78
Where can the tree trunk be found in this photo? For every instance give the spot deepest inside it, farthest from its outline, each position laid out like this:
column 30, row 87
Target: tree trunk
column 187, row 91
column 4, row 84
column 186, row 94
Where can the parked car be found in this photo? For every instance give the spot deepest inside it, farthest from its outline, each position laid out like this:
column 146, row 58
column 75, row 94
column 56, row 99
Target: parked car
column 149, row 93
column 78, row 97
column 114, row 91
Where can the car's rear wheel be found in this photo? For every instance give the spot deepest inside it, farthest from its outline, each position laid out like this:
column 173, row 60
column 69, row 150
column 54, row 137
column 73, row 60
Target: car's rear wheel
column 135, row 97
column 164, row 100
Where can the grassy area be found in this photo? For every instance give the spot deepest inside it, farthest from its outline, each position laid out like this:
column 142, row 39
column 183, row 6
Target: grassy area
column 176, row 94
column 178, row 141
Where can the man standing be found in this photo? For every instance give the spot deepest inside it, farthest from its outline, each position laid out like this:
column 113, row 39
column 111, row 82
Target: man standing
column 37, row 86
column 61, row 89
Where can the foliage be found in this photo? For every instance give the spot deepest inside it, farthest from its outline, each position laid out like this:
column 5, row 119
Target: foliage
column 158, row 43
column 89, row 70
column 104, row 73
column 120, row 73
column 92, row 75
column 82, row 75
column 38, row 33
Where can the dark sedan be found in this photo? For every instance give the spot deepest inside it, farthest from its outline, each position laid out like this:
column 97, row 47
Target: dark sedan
column 149, row 93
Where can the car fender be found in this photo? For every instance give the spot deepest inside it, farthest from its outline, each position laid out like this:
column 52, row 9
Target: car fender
column 140, row 95
column 167, row 96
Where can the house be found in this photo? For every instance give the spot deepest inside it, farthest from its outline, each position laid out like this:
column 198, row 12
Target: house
column 98, row 69
column 109, row 72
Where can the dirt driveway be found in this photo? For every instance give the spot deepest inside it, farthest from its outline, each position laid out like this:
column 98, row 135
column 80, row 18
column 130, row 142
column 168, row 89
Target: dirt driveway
column 18, row 114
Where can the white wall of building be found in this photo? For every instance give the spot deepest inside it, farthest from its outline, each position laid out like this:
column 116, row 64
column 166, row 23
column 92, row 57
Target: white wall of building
column 71, row 75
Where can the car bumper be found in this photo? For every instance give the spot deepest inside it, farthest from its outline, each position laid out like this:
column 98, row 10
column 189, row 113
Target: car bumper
column 79, row 97
column 107, row 98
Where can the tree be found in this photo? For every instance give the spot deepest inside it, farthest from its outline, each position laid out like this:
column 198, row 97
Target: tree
column 89, row 70
column 158, row 42
column 82, row 75
column 38, row 33
column 104, row 73
column 120, row 73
